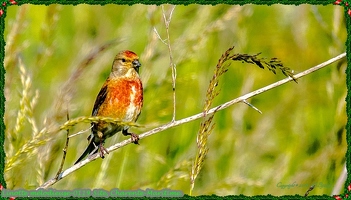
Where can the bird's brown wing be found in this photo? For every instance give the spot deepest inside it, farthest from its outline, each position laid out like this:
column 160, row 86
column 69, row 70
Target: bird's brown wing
column 92, row 147
column 100, row 99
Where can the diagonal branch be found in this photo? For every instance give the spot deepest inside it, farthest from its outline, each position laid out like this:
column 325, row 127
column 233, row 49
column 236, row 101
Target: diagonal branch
column 194, row 117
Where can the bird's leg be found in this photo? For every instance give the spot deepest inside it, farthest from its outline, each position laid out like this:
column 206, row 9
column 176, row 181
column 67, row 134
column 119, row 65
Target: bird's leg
column 133, row 136
column 103, row 150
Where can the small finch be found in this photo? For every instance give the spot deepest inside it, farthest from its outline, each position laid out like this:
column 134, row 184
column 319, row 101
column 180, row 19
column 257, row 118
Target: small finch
column 120, row 97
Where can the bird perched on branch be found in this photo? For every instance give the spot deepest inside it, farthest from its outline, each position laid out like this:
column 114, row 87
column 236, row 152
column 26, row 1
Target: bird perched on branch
column 120, row 97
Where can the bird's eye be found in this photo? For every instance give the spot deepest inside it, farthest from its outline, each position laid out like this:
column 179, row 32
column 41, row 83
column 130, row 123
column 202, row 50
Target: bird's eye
column 123, row 60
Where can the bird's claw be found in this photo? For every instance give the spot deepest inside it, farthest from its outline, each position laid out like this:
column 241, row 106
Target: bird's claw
column 135, row 138
column 103, row 150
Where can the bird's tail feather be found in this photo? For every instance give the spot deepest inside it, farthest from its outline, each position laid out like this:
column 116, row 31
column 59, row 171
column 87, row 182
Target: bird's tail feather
column 91, row 149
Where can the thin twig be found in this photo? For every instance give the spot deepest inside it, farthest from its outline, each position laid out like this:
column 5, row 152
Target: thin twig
column 159, row 37
column 194, row 117
column 171, row 63
column 64, row 153
column 80, row 132
column 252, row 106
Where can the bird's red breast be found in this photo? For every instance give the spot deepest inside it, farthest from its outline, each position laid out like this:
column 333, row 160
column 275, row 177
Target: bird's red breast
column 124, row 99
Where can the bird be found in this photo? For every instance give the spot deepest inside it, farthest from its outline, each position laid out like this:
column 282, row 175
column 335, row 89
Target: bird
column 120, row 97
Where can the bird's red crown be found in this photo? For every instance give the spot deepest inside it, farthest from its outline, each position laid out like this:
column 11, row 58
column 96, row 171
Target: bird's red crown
column 130, row 54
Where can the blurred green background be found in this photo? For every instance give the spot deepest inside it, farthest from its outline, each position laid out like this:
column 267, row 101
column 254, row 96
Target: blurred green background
column 299, row 138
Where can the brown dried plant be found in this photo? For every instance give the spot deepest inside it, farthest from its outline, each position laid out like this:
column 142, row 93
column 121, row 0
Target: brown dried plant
column 206, row 126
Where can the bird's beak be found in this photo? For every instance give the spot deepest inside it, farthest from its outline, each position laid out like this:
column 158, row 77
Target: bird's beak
column 136, row 65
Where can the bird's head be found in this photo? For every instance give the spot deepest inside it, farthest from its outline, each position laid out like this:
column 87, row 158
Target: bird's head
column 125, row 62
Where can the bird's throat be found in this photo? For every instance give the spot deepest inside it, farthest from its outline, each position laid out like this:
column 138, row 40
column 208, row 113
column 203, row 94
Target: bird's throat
column 128, row 73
